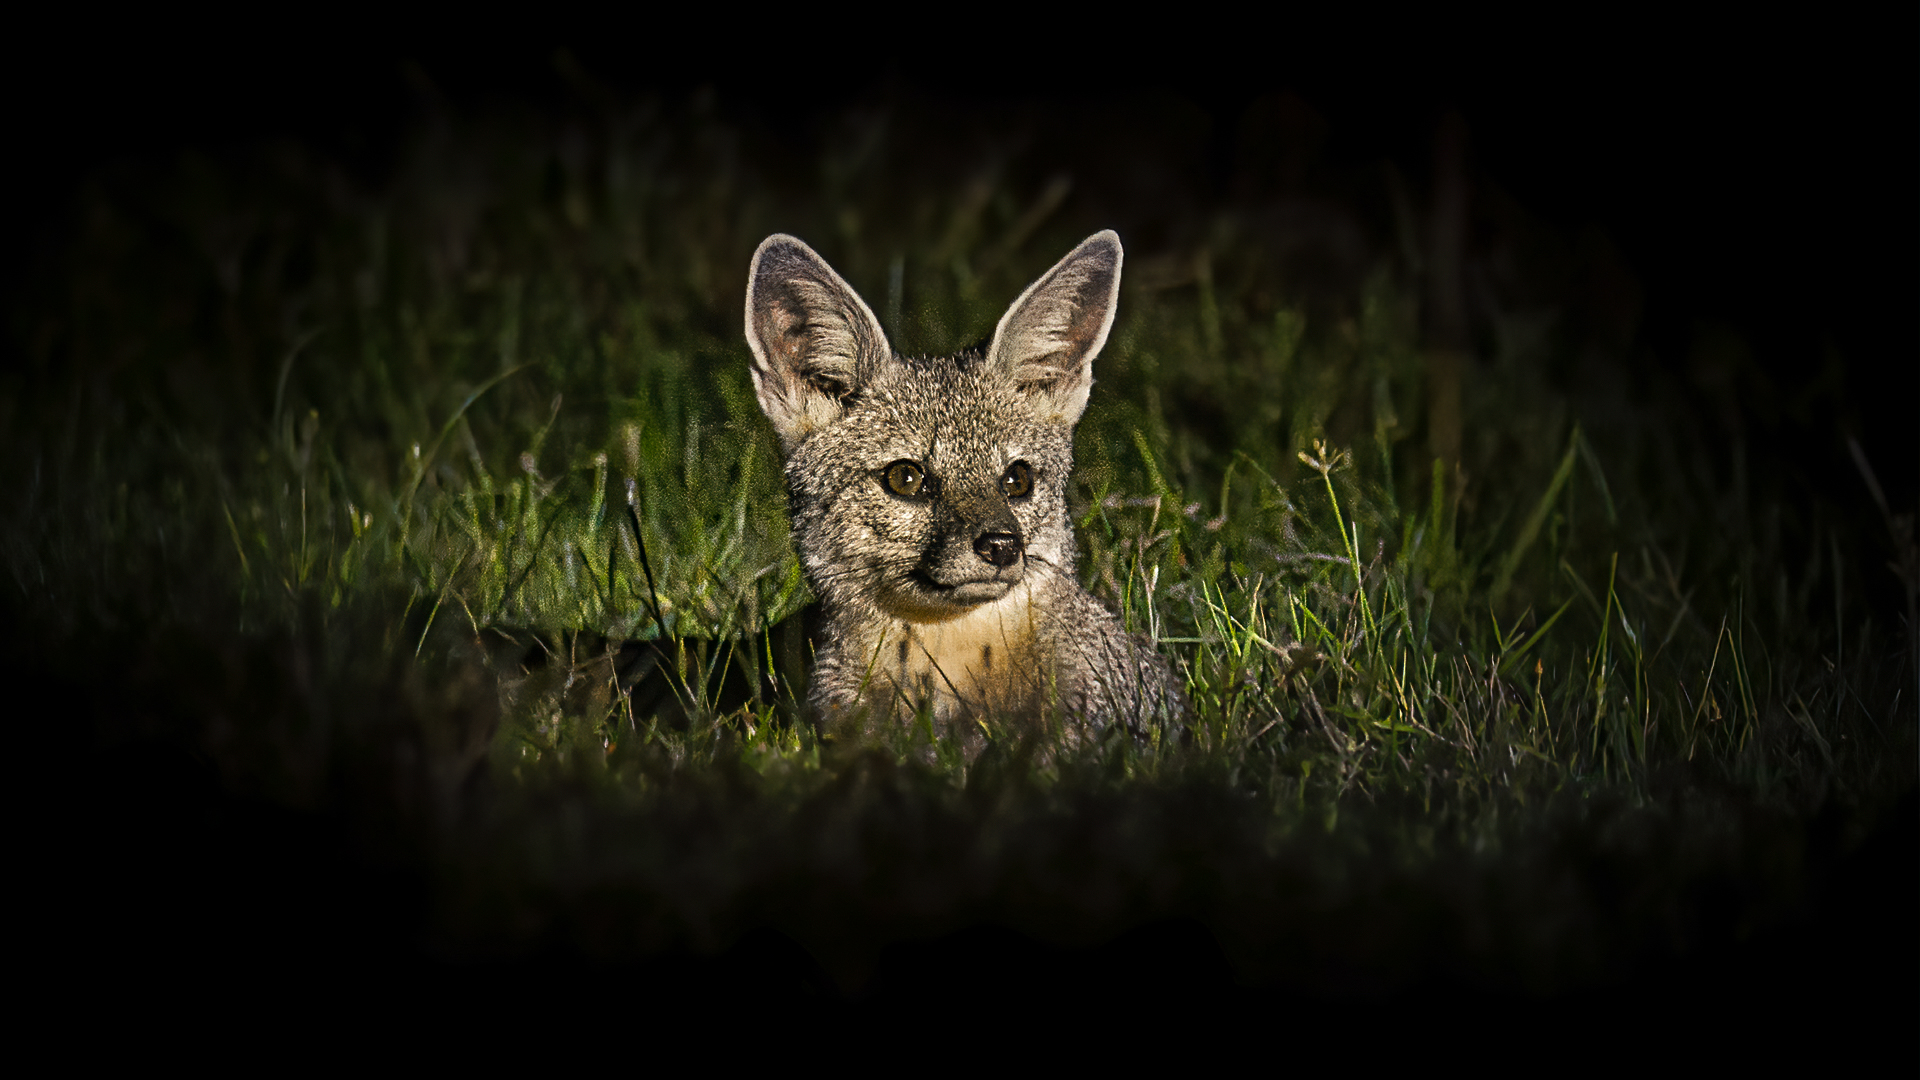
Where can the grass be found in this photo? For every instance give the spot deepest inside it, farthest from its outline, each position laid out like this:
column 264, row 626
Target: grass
column 444, row 504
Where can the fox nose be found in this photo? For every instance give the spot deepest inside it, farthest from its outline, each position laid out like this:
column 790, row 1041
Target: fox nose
column 998, row 548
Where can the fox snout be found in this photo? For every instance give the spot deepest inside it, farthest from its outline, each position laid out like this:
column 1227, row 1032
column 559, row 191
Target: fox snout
column 984, row 523
column 970, row 532
column 999, row 548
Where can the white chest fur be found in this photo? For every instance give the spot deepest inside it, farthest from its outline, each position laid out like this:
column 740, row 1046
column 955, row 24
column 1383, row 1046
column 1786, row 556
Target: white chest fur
column 983, row 660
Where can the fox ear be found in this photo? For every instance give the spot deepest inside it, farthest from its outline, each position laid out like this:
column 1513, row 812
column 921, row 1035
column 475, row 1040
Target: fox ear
column 814, row 340
column 1047, row 340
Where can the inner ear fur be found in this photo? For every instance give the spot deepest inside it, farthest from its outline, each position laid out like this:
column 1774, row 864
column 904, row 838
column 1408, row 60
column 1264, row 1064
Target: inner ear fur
column 1047, row 340
column 814, row 340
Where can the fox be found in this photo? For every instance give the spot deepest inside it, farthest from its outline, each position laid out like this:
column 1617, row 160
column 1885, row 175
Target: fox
column 928, row 499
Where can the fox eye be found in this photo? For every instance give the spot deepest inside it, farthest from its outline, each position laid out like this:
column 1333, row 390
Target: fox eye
column 1017, row 482
column 906, row 478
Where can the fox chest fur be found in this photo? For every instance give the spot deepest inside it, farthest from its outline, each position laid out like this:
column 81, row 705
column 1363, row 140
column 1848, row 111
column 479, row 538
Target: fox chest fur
column 929, row 503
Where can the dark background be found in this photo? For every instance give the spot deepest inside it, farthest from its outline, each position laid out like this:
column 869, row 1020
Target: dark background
column 1760, row 178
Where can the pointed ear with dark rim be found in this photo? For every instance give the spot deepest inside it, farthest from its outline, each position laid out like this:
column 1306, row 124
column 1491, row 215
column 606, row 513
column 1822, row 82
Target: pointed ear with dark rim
column 1047, row 340
column 814, row 341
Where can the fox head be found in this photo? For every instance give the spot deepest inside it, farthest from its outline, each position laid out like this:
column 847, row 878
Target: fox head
column 924, row 488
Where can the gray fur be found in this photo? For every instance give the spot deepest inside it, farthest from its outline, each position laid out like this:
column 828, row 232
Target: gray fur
column 957, row 600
